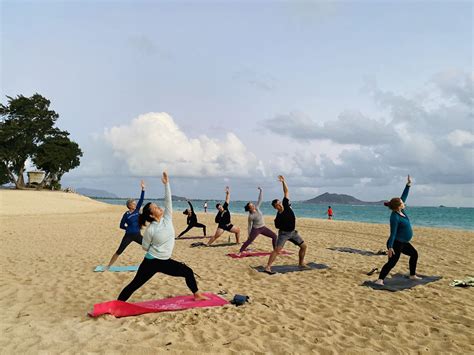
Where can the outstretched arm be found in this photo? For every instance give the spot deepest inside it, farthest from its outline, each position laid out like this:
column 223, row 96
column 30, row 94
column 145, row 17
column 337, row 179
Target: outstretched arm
column 227, row 194
column 190, row 205
column 142, row 196
column 260, row 197
column 168, row 204
column 406, row 189
column 285, row 186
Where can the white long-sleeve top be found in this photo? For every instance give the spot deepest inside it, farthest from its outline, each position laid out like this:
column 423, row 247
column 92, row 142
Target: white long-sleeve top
column 158, row 239
column 256, row 218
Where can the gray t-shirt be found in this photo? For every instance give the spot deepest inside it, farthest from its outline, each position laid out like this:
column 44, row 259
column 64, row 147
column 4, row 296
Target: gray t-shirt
column 256, row 218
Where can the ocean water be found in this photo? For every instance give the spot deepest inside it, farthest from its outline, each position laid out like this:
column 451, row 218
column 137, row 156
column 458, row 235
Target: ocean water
column 439, row 217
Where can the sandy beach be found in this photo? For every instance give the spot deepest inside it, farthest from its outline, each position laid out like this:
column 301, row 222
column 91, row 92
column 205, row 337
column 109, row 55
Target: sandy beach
column 52, row 241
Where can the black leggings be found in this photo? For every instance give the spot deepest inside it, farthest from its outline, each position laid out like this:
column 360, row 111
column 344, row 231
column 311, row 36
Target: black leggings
column 400, row 248
column 199, row 225
column 150, row 267
column 127, row 239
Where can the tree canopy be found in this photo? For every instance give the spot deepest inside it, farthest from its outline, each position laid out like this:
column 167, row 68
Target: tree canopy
column 27, row 132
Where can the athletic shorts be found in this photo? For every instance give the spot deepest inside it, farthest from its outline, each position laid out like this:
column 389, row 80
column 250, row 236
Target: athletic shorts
column 292, row 236
column 226, row 227
column 127, row 239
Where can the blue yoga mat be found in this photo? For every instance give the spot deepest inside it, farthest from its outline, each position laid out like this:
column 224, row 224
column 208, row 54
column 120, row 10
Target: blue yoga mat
column 101, row 268
column 284, row 269
column 399, row 282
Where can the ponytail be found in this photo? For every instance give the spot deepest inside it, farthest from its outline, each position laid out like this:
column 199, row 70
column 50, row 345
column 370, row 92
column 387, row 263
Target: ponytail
column 394, row 203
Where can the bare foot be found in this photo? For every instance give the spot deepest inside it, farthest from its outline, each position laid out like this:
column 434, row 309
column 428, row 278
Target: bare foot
column 304, row 266
column 269, row 271
column 379, row 282
column 414, row 277
column 199, row 297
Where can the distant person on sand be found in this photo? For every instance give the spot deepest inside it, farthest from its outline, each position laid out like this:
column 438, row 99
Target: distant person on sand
column 256, row 224
column 400, row 235
column 191, row 221
column 129, row 222
column 285, row 222
column 330, row 213
column 158, row 241
column 223, row 220
column 205, row 207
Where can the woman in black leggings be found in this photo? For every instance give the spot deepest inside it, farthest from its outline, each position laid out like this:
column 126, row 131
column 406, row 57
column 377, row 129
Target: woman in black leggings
column 158, row 241
column 400, row 235
column 192, row 221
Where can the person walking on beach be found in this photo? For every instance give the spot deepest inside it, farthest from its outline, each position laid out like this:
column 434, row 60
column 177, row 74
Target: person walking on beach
column 256, row 224
column 223, row 220
column 330, row 213
column 205, row 207
column 191, row 221
column 129, row 222
column 400, row 235
column 285, row 222
column 158, row 241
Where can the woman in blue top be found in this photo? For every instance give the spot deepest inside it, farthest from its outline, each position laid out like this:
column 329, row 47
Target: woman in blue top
column 158, row 241
column 129, row 223
column 400, row 235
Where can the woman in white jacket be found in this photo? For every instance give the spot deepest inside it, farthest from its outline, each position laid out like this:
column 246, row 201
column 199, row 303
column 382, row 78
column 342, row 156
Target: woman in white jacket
column 158, row 241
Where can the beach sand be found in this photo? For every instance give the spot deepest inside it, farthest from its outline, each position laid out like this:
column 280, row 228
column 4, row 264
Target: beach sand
column 51, row 242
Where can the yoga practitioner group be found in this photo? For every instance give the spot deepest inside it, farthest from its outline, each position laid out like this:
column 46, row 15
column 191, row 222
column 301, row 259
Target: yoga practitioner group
column 159, row 237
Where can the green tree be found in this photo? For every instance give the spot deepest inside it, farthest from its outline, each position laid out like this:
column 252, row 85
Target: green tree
column 56, row 156
column 25, row 124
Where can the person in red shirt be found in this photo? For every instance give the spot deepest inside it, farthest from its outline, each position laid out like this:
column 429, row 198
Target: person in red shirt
column 330, row 212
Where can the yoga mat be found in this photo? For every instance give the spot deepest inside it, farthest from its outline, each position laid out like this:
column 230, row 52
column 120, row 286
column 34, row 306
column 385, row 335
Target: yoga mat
column 255, row 253
column 356, row 251
column 399, row 282
column 199, row 244
column 125, row 309
column 201, row 237
column 284, row 269
column 113, row 268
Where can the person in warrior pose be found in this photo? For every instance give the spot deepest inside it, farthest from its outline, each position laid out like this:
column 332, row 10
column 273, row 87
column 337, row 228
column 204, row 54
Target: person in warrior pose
column 400, row 235
column 191, row 221
column 158, row 241
column 223, row 220
column 285, row 222
column 256, row 223
column 129, row 222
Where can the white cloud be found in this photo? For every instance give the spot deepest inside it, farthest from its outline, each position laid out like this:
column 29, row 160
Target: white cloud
column 153, row 142
column 459, row 138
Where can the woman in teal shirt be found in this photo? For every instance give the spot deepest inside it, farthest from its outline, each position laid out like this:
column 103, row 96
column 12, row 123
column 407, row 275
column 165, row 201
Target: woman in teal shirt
column 400, row 235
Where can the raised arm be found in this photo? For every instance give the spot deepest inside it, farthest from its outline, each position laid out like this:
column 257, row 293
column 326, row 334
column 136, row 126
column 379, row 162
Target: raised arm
column 168, row 204
column 285, row 186
column 227, row 194
column 191, row 206
column 406, row 189
column 260, row 197
column 142, row 196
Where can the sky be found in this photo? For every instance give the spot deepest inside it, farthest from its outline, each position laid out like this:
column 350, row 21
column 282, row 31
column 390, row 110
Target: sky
column 341, row 97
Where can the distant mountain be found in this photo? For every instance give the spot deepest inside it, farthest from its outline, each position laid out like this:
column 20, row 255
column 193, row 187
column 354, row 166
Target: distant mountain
column 95, row 193
column 178, row 198
column 339, row 199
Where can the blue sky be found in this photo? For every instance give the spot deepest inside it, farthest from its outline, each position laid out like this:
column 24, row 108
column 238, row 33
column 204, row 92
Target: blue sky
column 343, row 97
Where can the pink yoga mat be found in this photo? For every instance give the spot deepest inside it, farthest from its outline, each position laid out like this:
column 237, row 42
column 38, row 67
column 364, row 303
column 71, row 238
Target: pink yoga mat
column 125, row 309
column 255, row 253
